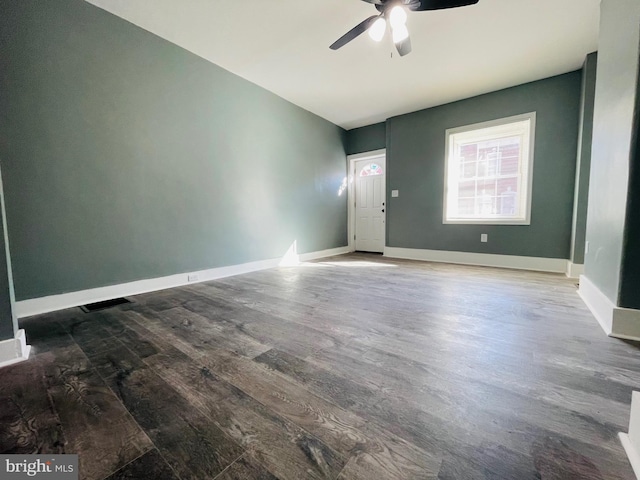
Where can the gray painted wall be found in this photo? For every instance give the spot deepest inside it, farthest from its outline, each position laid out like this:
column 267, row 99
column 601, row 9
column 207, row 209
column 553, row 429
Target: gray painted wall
column 126, row 157
column 613, row 128
column 415, row 165
column 583, row 165
column 366, row 139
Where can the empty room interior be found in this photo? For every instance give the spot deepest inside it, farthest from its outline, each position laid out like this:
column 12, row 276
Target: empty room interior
column 341, row 239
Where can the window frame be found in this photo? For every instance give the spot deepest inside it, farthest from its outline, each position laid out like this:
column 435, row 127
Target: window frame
column 526, row 170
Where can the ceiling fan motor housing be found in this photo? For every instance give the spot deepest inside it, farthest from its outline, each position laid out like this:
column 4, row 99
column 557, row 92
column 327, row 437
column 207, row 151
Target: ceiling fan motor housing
column 389, row 4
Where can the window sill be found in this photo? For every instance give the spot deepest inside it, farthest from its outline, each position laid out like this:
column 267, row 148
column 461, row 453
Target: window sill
column 486, row 222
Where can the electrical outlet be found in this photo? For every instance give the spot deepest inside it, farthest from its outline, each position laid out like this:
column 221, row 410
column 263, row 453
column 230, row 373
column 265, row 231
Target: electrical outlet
column 192, row 277
column 395, row 193
column 484, row 238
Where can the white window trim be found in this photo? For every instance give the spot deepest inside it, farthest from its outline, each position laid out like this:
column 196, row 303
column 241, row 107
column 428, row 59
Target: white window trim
column 478, row 126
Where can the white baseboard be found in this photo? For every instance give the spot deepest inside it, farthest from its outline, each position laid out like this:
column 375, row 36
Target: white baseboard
column 555, row 265
column 307, row 257
column 631, row 441
column 626, row 323
column 615, row 321
column 14, row 350
column 633, row 453
column 574, row 270
column 36, row 306
column 601, row 307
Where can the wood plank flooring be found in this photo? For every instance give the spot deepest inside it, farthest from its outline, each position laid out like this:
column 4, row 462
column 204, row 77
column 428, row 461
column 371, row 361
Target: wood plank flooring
column 354, row 367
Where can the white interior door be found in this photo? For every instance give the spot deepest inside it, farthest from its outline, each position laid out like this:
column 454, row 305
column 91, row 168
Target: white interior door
column 370, row 186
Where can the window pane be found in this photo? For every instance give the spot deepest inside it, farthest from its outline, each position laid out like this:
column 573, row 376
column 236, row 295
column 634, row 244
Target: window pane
column 468, row 152
column 487, row 186
column 508, row 194
column 467, row 189
column 486, row 171
column 468, row 170
column 370, row 170
column 510, row 157
column 466, row 206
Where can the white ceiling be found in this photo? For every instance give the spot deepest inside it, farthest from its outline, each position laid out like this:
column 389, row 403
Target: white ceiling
column 283, row 46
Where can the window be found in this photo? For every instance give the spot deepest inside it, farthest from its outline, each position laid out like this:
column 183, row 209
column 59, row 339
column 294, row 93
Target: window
column 488, row 172
column 371, row 170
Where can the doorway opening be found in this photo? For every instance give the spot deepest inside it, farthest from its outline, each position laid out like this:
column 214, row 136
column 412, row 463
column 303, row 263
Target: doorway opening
column 367, row 201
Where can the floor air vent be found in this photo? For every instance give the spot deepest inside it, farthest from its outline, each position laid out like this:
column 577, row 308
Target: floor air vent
column 94, row 307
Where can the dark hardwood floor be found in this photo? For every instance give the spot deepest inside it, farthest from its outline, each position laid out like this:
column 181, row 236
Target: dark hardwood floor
column 355, row 367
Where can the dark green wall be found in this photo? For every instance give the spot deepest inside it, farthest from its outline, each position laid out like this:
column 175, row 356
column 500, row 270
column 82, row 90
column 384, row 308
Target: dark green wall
column 612, row 148
column 125, row 157
column 630, row 274
column 366, row 139
column 8, row 323
column 583, row 165
column 415, row 163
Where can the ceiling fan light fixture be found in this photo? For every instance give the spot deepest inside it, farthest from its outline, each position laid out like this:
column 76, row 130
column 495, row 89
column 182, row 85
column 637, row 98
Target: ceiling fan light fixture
column 396, row 12
column 397, row 17
column 376, row 32
column 400, row 33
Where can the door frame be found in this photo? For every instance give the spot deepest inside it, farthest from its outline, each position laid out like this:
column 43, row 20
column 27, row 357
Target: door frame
column 351, row 198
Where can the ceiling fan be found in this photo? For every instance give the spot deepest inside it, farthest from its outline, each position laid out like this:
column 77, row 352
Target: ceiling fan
column 395, row 12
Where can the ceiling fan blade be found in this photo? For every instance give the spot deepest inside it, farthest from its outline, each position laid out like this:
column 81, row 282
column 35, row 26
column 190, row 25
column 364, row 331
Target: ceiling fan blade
column 404, row 47
column 375, row 2
column 441, row 4
column 354, row 32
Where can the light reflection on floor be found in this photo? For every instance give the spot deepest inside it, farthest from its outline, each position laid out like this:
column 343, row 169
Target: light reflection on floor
column 292, row 259
column 358, row 263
